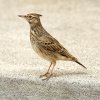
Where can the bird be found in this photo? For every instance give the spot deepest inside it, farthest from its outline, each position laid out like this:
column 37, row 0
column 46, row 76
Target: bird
column 45, row 45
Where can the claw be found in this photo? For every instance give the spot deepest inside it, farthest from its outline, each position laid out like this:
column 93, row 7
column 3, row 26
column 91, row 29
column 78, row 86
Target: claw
column 47, row 77
column 44, row 75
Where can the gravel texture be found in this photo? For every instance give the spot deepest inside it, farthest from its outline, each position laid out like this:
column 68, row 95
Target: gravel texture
column 76, row 24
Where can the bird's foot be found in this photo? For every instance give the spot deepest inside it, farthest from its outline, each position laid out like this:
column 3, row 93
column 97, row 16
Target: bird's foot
column 46, row 75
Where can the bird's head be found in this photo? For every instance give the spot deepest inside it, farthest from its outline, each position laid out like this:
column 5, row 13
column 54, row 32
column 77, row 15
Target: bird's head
column 32, row 18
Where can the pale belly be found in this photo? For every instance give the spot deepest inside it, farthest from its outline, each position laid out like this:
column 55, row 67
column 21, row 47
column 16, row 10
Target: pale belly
column 50, row 56
column 41, row 53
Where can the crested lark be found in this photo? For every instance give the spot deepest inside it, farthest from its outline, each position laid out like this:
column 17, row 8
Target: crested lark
column 45, row 45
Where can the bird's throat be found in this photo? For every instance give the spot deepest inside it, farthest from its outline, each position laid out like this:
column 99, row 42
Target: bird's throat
column 38, row 30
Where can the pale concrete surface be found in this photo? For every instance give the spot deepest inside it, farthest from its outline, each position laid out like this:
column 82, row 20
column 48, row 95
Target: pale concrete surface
column 76, row 24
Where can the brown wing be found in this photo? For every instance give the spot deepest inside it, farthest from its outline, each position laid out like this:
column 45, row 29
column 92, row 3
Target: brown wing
column 52, row 45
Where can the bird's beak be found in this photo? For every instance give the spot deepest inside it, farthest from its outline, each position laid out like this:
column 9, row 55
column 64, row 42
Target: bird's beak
column 23, row 16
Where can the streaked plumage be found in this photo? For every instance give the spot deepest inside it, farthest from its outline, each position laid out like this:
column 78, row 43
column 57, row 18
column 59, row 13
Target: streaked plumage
column 45, row 45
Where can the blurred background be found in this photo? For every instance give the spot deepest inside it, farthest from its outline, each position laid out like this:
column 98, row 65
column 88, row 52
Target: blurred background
column 75, row 23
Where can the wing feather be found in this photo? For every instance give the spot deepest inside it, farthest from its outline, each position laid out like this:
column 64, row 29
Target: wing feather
column 52, row 45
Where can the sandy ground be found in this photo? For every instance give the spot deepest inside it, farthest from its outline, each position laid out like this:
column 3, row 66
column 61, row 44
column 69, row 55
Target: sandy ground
column 76, row 24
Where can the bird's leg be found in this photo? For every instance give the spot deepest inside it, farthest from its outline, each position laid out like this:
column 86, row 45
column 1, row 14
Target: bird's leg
column 46, row 72
column 53, row 67
column 51, row 73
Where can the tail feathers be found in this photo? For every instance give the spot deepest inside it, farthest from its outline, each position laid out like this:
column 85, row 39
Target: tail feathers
column 80, row 64
column 75, row 59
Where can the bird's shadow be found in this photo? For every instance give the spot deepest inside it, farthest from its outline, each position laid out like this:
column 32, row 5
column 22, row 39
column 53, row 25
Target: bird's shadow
column 75, row 73
column 56, row 73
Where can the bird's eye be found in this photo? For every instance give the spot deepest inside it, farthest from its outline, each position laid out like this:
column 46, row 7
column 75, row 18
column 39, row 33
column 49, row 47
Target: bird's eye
column 30, row 16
